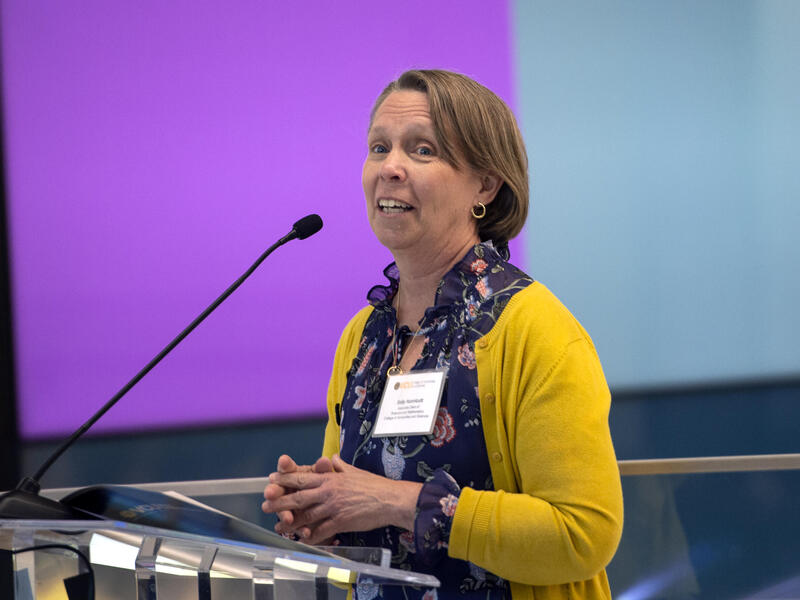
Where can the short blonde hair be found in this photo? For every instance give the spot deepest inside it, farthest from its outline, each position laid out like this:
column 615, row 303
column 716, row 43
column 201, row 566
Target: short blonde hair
column 474, row 126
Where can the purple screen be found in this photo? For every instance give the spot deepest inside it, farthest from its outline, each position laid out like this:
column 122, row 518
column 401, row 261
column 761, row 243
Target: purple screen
column 155, row 149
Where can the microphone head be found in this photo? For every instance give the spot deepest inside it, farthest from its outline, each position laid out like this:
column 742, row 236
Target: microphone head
column 307, row 226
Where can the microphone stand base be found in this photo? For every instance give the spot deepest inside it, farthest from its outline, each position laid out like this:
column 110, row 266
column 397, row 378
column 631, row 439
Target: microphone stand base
column 20, row 504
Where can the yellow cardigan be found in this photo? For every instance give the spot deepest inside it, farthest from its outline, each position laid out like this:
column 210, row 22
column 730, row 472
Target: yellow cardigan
column 555, row 518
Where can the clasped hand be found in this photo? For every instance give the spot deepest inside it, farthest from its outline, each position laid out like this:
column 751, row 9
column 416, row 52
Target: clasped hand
column 318, row 501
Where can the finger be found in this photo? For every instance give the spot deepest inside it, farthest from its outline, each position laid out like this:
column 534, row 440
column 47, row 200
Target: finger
column 279, row 529
column 273, row 491
column 285, row 516
column 267, row 507
column 339, row 465
column 286, row 522
column 285, row 530
column 306, row 532
column 296, row 501
column 323, row 465
column 284, row 527
column 298, row 480
column 304, row 521
column 286, row 464
column 319, row 532
column 308, row 518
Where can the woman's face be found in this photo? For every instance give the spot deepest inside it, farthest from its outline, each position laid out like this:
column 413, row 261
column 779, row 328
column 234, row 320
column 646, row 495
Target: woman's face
column 416, row 201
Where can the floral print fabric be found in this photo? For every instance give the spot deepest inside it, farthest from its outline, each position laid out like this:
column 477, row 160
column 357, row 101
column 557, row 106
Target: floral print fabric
column 469, row 300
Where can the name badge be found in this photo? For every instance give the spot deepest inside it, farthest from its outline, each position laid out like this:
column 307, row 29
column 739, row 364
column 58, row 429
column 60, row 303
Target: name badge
column 410, row 403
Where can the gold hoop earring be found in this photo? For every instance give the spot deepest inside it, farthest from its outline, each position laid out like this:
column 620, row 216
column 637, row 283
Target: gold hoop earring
column 479, row 210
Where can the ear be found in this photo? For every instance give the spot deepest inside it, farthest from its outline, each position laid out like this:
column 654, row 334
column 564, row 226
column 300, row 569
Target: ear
column 490, row 185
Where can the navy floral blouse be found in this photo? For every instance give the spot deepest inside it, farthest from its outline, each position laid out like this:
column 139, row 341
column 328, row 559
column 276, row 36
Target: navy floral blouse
column 468, row 302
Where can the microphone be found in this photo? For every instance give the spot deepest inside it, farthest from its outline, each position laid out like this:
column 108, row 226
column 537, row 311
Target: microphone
column 24, row 501
column 306, row 227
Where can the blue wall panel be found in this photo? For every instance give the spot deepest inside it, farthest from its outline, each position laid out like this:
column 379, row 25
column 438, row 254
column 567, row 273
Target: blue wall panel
column 662, row 138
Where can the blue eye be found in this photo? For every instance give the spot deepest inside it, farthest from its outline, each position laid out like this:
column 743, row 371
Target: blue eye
column 424, row 151
column 379, row 149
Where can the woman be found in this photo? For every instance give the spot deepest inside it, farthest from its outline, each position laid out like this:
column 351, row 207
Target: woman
column 516, row 492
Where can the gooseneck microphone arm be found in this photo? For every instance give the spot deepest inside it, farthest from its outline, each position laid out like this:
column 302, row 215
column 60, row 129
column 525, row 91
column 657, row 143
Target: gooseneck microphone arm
column 302, row 229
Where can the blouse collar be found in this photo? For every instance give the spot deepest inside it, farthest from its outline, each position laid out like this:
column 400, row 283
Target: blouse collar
column 458, row 284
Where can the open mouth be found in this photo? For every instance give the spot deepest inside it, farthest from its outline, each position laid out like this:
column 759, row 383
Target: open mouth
column 393, row 206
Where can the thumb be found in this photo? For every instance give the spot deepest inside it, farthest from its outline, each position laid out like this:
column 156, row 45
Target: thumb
column 339, row 465
column 323, row 465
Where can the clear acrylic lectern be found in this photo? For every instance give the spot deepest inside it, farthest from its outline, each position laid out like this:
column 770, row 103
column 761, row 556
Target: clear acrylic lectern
column 136, row 562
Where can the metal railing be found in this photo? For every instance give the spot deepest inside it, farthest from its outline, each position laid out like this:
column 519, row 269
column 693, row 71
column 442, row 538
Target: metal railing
column 657, row 466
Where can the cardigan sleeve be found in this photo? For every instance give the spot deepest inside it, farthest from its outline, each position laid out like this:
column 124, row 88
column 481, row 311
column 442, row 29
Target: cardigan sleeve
column 556, row 514
column 345, row 352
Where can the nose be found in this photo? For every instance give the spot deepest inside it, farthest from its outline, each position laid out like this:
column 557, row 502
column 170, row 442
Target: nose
column 392, row 167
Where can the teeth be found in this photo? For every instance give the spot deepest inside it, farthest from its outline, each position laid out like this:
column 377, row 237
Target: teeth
column 393, row 206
